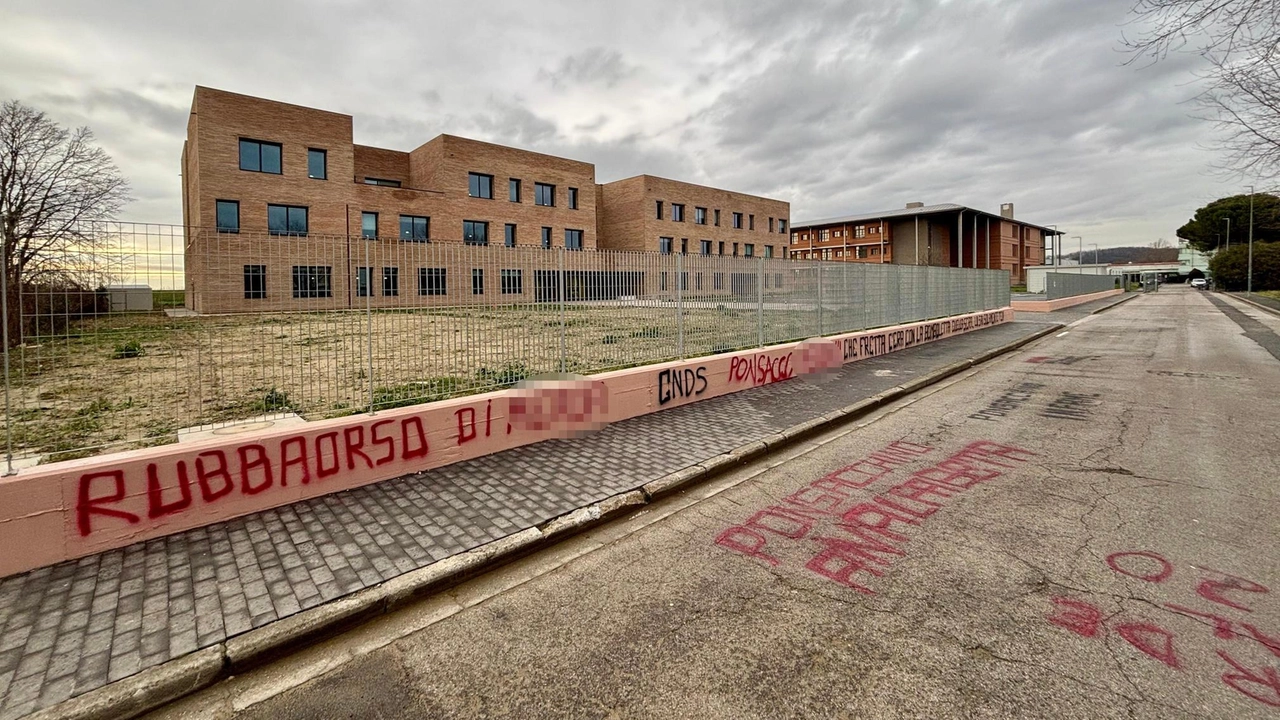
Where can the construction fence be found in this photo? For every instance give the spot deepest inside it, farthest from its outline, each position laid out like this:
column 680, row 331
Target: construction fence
column 141, row 334
column 1064, row 284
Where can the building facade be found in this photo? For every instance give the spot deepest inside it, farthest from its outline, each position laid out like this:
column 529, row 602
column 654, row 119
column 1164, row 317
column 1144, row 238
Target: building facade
column 283, row 211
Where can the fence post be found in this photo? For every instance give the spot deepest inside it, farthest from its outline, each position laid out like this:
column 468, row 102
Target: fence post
column 819, row 299
column 368, row 314
column 760, row 299
column 563, row 360
column 8, row 414
column 680, row 303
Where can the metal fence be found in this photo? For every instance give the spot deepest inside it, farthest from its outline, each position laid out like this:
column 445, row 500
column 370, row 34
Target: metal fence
column 143, row 333
column 1061, row 285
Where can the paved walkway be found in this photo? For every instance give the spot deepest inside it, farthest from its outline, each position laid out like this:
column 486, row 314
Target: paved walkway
column 77, row 626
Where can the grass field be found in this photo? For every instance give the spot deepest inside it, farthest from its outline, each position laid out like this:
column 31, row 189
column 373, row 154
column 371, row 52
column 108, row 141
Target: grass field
column 1273, row 294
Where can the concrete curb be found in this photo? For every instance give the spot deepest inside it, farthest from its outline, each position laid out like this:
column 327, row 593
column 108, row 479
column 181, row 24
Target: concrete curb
column 1121, row 301
column 1258, row 305
column 165, row 683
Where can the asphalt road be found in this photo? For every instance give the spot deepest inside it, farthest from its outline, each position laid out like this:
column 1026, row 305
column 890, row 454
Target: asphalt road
column 1082, row 529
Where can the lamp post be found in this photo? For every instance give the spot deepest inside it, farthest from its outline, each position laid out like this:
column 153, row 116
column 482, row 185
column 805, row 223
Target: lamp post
column 1056, row 252
column 1079, row 255
column 1249, row 289
column 1095, row 253
column 1228, row 232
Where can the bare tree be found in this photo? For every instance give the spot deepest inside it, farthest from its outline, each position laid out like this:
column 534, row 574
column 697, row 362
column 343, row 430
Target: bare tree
column 1240, row 42
column 53, row 182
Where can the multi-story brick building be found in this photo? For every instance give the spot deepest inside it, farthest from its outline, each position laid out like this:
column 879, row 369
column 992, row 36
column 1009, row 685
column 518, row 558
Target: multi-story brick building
column 945, row 235
column 285, row 212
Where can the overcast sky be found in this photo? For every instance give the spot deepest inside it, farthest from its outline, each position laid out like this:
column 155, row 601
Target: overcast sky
column 838, row 107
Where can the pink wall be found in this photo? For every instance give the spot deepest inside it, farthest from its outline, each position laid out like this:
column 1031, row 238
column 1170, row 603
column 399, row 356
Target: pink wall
column 70, row 509
column 1051, row 305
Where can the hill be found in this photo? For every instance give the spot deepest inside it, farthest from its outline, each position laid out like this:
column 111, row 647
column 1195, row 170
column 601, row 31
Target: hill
column 1122, row 255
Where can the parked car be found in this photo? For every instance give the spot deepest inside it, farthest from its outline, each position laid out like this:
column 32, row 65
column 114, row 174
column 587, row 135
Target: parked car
column 1199, row 283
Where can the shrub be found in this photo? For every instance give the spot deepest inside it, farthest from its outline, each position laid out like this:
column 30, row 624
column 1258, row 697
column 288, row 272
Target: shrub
column 274, row 401
column 127, row 349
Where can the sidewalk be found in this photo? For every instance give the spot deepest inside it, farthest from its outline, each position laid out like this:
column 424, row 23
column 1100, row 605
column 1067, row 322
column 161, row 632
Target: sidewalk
column 77, row 626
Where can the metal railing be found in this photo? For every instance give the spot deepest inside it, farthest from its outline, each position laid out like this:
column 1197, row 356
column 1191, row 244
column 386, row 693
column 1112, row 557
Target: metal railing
column 146, row 332
column 1061, row 285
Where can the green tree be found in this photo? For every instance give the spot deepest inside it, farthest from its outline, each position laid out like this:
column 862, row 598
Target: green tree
column 1230, row 268
column 1207, row 231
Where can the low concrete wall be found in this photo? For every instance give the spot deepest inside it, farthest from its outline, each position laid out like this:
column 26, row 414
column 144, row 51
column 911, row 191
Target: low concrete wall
column 70, row 509
column 1051, row 305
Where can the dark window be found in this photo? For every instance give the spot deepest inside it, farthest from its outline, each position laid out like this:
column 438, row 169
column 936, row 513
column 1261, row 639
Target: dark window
column 414, row 228
column 573, row 198
column 720, row 249
column 749, row 250
column 544, row 194
column 770, row 224
column 513, row 190
column 684, row 246
column 480, row 186
column 363, row 279
column 658, row 206
column 737, row 221
column 768, row 251
column 546, row 237
column 380, row 181
column 286, row 220
column 717, row 214
column 717, row 281
column 735, row 249
column 572, row 239
column 509, row 235
column 684, row 281
column 663, row 286
column 777, row 280
column 512, row 282
column 255, row 282
column 431, row 281
column 390, row 281
column 664, row 245
column 477, row 281
column 782, row 225
column 706, row 247
column 677, row 212
column 369, row 224
column 312, row 281
column 700, row 216
column 751, row 220
column 228, row 214
column 697, row 281
column 475, row 232
column 317, row 164
column 258, row 156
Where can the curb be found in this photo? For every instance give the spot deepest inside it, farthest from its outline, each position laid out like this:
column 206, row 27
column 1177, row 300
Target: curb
column 1121, row 301
column 1258, row 305
column 156, row 686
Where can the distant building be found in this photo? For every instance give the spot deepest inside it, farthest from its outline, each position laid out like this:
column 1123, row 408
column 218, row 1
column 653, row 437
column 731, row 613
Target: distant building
column 1191, row 259
column 945, row 235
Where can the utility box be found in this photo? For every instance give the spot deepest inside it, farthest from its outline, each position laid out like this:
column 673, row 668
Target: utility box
column 129, row 298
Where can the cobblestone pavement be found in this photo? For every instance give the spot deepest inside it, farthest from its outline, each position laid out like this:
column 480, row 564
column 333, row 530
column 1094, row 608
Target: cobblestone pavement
column 76, row 626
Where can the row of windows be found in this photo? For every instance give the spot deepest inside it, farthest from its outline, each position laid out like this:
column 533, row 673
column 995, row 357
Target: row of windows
column 267, row 157
column 480, row 185
column 858, row 231
column 666, row 246
column 861, row 251
column 700, row 217
column 316, row 281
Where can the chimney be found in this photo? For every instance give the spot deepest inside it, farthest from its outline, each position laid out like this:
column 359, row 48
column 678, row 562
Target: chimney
column 1006, row 210
column 914, row 205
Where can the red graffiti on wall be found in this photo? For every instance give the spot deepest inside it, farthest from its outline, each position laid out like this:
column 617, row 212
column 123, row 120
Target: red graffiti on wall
column 761, row 369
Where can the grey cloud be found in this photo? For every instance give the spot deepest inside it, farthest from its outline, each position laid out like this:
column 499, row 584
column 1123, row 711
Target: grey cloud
column 594, row 66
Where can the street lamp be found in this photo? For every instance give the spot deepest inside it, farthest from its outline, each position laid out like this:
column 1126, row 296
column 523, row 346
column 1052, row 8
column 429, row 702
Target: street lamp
column 1249, row 289
column 1079, row 255
column 1228, row 232
column 1095, row 253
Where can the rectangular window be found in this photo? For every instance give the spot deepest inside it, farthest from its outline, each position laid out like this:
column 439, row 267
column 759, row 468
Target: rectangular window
column 697, row 281
column 544, row 194
column 369, row 225
column 751, row 222
column 777, row 280
column 546, row 238
column 737, row 221
column 255, row 282
column 312, row 281
column 677, row 212
column 415, row 228
column 512, row 282
column 859, row 231
column 390, row 281
column 513, row 190
column 700, row 216
column 749, row 250
column 658, row 207
column 259, row 156
column 475, row 232
column 717, row 281
column 664, row 245
column 380, row 181
column 721, row 248
column 573, row 198
column 824, row 235
column 228, row 215
column 684, row 246
column 364, row 277
column 480, row 186
column 286, row 220
column 573, row 239
column 663, row 284
column 431, row 281
column 782, row 226
column 509, row 235
column 735, row 249
column 768, row 251
column 477, row 281
column 770, row 224
column 717, row 214
column 317, row 164
column 706, row 247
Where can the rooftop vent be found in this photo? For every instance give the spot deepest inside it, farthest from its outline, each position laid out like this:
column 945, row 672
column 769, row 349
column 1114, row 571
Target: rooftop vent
column 914, row 205
column 1006, row 210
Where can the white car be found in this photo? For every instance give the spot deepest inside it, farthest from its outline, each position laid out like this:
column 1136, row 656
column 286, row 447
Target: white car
column 1199, row 283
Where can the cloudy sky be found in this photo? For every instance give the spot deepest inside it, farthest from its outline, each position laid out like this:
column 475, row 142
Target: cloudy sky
column 837, row 106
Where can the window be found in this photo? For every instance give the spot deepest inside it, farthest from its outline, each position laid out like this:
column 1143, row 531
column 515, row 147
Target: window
column 777, row 280
column 513, row 190
column 700, row 216
column 782, row 226
column 255, row 282
column 684, row 246
column 770, row 224
column 431, row 281
column 706, row 247
column 749, row 250
column 312, row 281
column 369, row 225
column 480, row 186
column 768, row 251
column 862, row 251
column 546, row 238
column 477, row 281
column 475, row 232
column 544, row 194
column 390, row 281
column 509, row 235
column 735, row 249
column 717, row 214
column 286, row 220
column 859, row 231
column 415, row 228
column 228, row 215
column 664, row 245
column 717, row 281
column 737, row 221
column 697, row 281
column 573, row 198
column 658, row 206
column 677, row 212
column 380, row 181
column 751, row 220
column 258, row 156
column 573, row 239
column 317, row 164
column 512, row 282
column 663, row 285
column 721, row 248
column 363, row 278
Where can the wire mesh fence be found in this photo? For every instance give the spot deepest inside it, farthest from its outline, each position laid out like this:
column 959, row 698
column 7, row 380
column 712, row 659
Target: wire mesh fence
column 1061, row 285
column 144, row 333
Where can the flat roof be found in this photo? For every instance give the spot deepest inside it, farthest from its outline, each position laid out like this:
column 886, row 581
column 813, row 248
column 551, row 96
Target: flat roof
column 909, row 212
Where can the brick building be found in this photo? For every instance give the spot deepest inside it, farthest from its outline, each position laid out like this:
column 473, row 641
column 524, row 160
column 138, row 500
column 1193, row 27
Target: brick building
column 945, row 235
column 285, row 212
